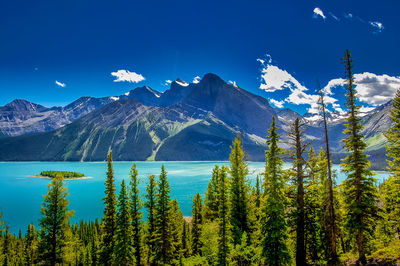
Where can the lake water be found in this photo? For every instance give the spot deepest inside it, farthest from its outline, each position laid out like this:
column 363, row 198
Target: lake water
column 21, row 195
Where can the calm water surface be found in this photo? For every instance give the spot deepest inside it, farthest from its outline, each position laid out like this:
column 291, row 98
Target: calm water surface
column 22, row 195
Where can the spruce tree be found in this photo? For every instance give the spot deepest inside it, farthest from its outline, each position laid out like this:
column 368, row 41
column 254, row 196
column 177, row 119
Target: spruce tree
column 391, row 187
column 223, row 219
column 360, row 190
column 296, row 141
column 150, row 204
column 274, row 227
column 109, row 219
column 54, row 223
column 176, row 230
column 210, row 201
column 313, row 205
column 136, row 214
column 123, row 250
column 31, row 241
column 329, row 218
column 238, row 194
column 197, row 221
column 164, row 245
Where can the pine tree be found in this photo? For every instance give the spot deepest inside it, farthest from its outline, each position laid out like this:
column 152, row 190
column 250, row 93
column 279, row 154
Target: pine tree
column 238, row 194
column 30, row 251
column 109, row 220
column 296, row 141
column 197, row 221
column 164, row 246
column 360, row 190
column 150, row 204
column 329, row 215
column 391, row 187
column 274, row 227
column 54, row 223
column 176, row 230
column 313, row 208
column 136, row 214
column 223, row 219
column 6, row 247
column 123, row 250
column 185, row 240
column 210, row 201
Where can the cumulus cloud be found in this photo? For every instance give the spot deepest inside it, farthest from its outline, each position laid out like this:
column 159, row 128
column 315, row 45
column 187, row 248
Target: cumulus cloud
column 318, row 12
column 372, row 89
column 126, row 75
column 196, row 80
column 63, row 85
column 275, row 79
column 378, row 26
column 278, row 104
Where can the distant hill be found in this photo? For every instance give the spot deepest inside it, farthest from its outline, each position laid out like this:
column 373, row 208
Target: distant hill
column 187, row 122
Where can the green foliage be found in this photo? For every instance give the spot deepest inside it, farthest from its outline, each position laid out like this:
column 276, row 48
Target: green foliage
column 110, row 215
column 197, row 222
column 63, row 174
column 136, row 214
column 164, row 242
column 210, row 201
column 238, row 192
column 54, row 223
column 273, row 222
column 124, row 251
column 150, row 204
column 360, row 190
column 223, row 218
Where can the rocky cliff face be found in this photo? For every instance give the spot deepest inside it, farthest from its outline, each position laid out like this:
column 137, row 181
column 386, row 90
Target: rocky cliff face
column 187, row 122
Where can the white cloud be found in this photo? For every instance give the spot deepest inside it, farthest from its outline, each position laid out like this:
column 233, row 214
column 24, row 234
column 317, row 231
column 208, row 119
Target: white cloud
column 232, row 82
column 196, row 80
column 334, row 17
column 376, row 89
column 126, row 75
column 277, row 79
column 318, row 12
column 377, row 25
column 278, row 104
column 372, row 89
column 63, row 85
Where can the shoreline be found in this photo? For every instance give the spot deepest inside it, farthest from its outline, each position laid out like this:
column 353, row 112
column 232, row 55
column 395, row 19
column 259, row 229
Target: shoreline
column 48, row 177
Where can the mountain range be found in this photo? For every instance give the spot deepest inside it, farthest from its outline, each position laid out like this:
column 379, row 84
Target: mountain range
column 189, row 121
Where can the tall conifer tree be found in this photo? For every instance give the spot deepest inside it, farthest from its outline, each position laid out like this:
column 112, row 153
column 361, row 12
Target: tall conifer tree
column 197, row 221
column 223, row 219
column 150, row 204
column 360, row 190
column 110, row 215
column 210, row 201
column 329, row 217
column 296, row 141
column 54, row 223
column 136, row 214
column 123, row 250
column 274, row 227
column 164, row 245
column 238, row 194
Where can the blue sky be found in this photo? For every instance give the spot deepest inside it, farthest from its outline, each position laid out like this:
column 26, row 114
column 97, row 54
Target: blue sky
column 80, row 43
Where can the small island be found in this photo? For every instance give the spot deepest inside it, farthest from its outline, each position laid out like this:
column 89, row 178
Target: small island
column 67, row 175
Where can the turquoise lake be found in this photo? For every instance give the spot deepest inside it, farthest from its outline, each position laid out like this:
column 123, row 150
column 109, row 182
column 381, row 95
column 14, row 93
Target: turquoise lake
column 21, row 195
